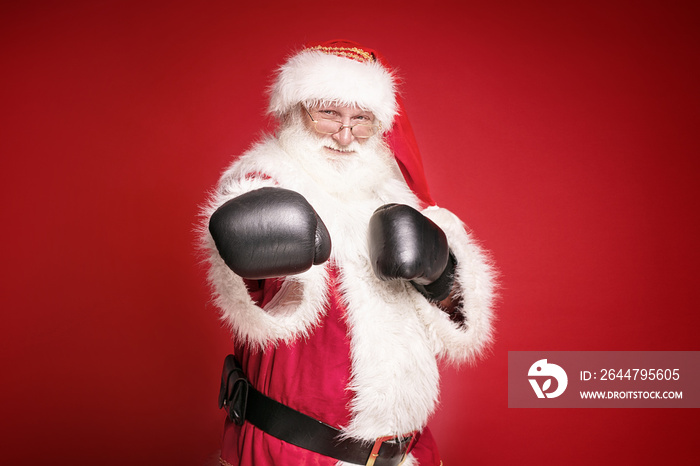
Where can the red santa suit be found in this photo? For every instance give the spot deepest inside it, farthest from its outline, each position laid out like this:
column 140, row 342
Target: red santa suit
column 335, row 342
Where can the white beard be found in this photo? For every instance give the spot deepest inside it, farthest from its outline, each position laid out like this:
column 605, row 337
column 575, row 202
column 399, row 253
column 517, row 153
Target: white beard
column 360, row 172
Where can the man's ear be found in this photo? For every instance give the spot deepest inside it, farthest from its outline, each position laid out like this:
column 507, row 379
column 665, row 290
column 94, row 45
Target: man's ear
column 288, row 116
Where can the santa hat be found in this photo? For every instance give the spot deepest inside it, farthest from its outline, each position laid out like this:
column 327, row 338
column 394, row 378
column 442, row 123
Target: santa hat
column 346, row 73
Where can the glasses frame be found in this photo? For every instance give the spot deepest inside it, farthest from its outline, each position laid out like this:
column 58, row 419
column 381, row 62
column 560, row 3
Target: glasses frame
column 378, row 126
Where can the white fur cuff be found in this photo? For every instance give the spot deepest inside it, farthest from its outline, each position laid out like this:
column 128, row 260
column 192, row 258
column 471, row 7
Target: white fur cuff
column 475, row 278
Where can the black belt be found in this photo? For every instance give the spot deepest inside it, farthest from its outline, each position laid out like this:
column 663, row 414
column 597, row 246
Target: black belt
column 244, row 403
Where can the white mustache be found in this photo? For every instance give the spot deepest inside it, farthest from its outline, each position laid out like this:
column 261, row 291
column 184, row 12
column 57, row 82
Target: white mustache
column 352, row 147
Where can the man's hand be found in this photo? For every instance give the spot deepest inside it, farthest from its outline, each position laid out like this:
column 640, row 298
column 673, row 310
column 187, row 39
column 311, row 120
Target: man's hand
column 404, row 244
column 269, row 232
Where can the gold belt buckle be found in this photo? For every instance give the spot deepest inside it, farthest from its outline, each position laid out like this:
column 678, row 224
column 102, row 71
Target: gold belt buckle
column 374, row 454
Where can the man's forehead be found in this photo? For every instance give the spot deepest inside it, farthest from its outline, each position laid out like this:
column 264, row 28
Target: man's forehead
column 338, row 106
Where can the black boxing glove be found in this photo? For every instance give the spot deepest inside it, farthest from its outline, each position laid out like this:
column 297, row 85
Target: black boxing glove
column 269, row 232
column 404, row 244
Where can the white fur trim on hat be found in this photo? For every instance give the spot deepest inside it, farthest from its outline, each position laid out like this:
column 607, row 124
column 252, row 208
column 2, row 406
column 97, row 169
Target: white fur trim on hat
column 313, row 77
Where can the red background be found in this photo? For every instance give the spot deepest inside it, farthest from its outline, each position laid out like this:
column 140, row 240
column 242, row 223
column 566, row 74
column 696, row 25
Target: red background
column 565, row 134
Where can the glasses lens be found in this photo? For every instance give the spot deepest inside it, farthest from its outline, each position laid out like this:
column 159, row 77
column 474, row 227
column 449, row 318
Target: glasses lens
column 327, row 126
column 363, row 131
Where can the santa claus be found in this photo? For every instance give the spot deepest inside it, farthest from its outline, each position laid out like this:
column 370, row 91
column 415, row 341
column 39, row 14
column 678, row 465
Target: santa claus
column 341, row 280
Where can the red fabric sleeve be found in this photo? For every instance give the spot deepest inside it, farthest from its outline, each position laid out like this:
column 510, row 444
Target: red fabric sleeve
column 262, row 291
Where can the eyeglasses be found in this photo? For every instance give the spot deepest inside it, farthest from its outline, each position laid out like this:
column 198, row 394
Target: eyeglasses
column 359, row 130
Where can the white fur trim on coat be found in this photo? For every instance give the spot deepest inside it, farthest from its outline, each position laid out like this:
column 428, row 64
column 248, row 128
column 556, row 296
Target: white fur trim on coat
column 474, row 277
column 313, row 77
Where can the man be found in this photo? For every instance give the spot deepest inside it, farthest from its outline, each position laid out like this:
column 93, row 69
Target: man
column 341, row 281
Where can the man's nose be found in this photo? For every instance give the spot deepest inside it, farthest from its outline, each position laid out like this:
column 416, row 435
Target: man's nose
column 344, row 136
